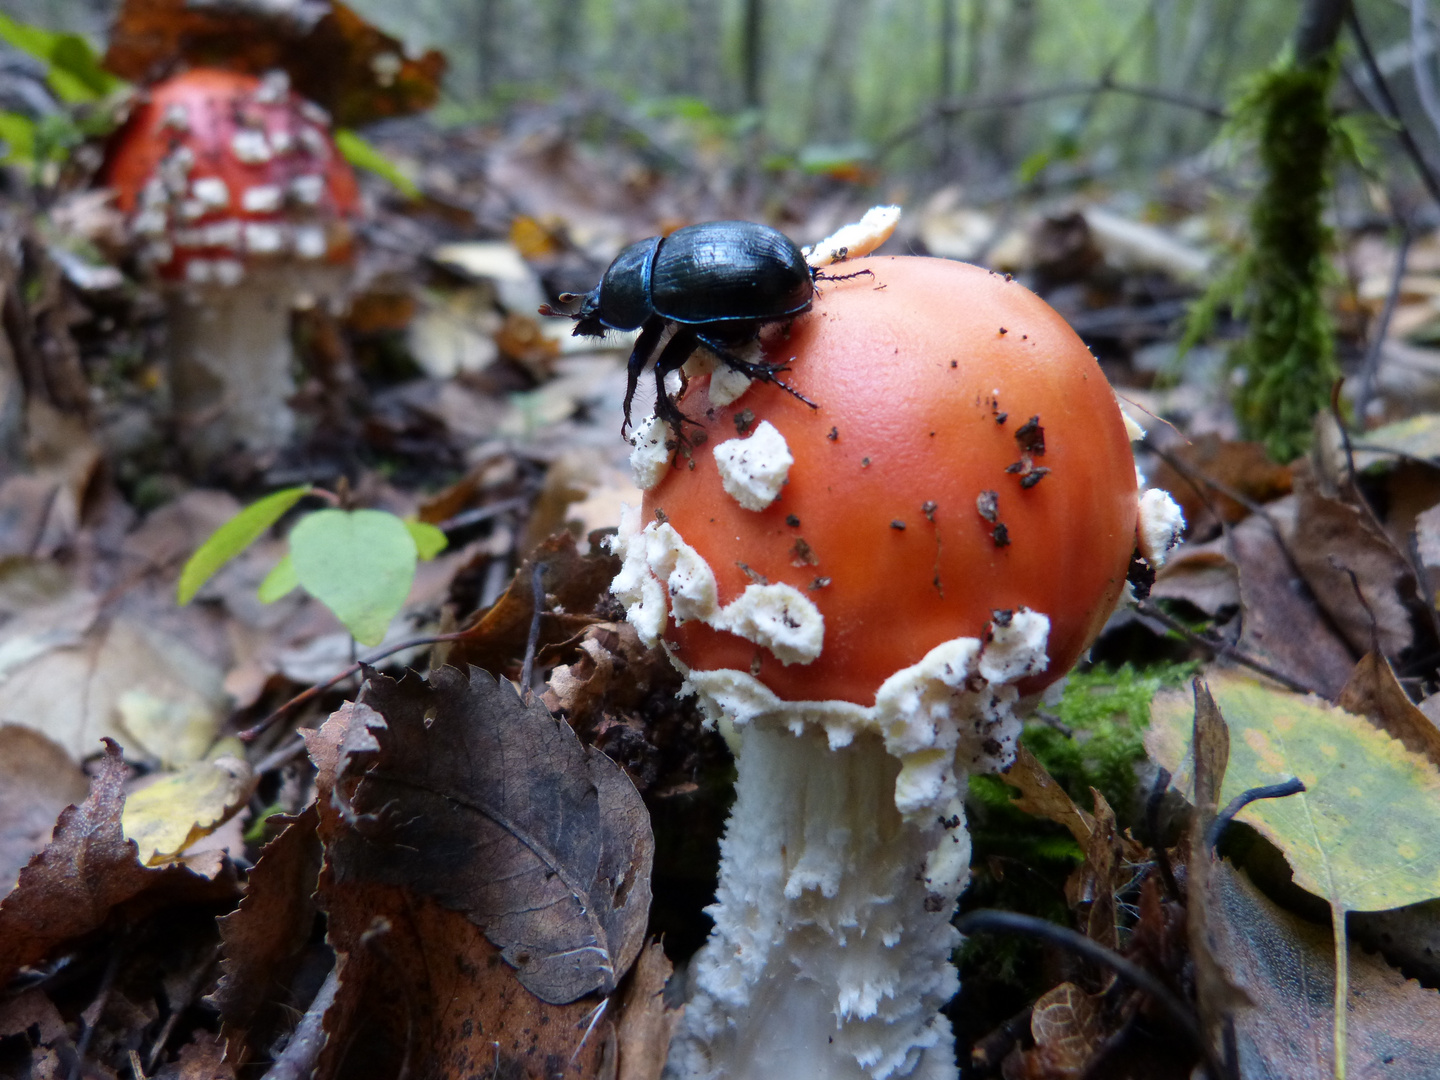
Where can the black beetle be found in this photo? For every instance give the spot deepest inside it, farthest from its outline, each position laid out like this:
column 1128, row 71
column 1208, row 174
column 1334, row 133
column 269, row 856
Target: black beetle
column 717, row 284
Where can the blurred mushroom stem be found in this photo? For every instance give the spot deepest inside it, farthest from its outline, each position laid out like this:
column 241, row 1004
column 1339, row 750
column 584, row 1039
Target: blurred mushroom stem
column 233, row 364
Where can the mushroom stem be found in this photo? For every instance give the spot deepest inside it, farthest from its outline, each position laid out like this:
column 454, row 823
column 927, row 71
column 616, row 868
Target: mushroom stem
column 232, row 367
column 830, row 956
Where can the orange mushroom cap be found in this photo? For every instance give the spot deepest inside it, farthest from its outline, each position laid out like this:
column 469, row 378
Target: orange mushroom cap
column 220, row 171
column 922, row 500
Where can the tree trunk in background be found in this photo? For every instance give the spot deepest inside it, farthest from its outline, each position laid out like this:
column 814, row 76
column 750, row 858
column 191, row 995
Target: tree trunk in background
column 752, row 52
column 487, row 45
column 945, row 90
column 701, row 40
column 1006, row 68
column 832, row 82
column 566, row 20
column 1319, row 29
column 1182, row 71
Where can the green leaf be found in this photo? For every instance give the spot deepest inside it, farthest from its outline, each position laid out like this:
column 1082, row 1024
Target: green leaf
column 1365, row 834
column 279, row 582
column 75, row 72
column 234, row 537
column 429, row 541
column 18, row 134
column 1366, row 831
column 360, row 153
column 359, row 564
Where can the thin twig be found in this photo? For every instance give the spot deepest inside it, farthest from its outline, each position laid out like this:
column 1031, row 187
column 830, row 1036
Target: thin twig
column 1152, row 829
column 1104, row 85
column 1421, row 47
column 319, row 688
column 297, row 1060
column 1371, row 368
column 1222, row 648
column 1402, row 131
column 278, row 759
column 197, row 979
column 102, row 998
column 1015, row 923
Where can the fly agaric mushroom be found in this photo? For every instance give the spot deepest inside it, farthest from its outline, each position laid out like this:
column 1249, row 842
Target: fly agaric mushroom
column 239, row 200
column 860, row 594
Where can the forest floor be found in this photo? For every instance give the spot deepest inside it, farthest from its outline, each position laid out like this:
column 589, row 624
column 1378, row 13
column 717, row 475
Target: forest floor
column 1302, row 593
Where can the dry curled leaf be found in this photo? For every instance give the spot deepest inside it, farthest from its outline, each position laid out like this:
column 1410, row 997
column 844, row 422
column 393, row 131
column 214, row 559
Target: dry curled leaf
column 494, row 808
column 86, row 873
column 1374, row 693
column 37, row 781
column 263, row 938
column 1042, row 796
column 334, row 57
column 1066, row 1025
column 646, row 1023
column 573, row 584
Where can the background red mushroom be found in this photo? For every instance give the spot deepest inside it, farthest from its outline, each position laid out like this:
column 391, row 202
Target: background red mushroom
column 237, row 198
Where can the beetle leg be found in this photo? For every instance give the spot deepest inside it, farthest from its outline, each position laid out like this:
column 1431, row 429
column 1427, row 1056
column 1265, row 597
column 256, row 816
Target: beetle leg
column 820, row 275
column 644, row 346
column 677, row 350
column 763, row 372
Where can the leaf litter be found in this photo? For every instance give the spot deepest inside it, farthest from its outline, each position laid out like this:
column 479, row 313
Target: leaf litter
column 369, row 881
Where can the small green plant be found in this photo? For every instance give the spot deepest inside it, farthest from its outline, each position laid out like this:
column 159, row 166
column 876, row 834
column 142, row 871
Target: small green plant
column 1104, row 713
column 358, row 563
column 73, row 73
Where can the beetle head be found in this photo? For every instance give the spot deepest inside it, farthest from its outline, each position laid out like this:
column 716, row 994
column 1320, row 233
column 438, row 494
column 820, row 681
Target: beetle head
column 587, row 323
column 587, row 318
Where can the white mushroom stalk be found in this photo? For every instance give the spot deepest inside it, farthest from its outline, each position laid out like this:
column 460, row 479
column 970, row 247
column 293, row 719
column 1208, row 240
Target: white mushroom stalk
column 846, row 850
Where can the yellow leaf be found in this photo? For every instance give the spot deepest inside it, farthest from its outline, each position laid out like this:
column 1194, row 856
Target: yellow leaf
column 1365, row 833
column 167, row 816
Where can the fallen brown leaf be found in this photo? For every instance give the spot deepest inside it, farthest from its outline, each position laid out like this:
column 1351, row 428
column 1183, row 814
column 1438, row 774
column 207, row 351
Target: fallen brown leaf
column 423, row 993
column 646, row 1023
column 1374, row 692
column 1066, row 1025
column 263, row 939
column 496, row 809
column 1042, row 796
column 37, row 781
column 202, row 1059
column 86, row 874
column 1282, row 623
column 1334, row 538
column 573, row 584
column 1286, row 967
